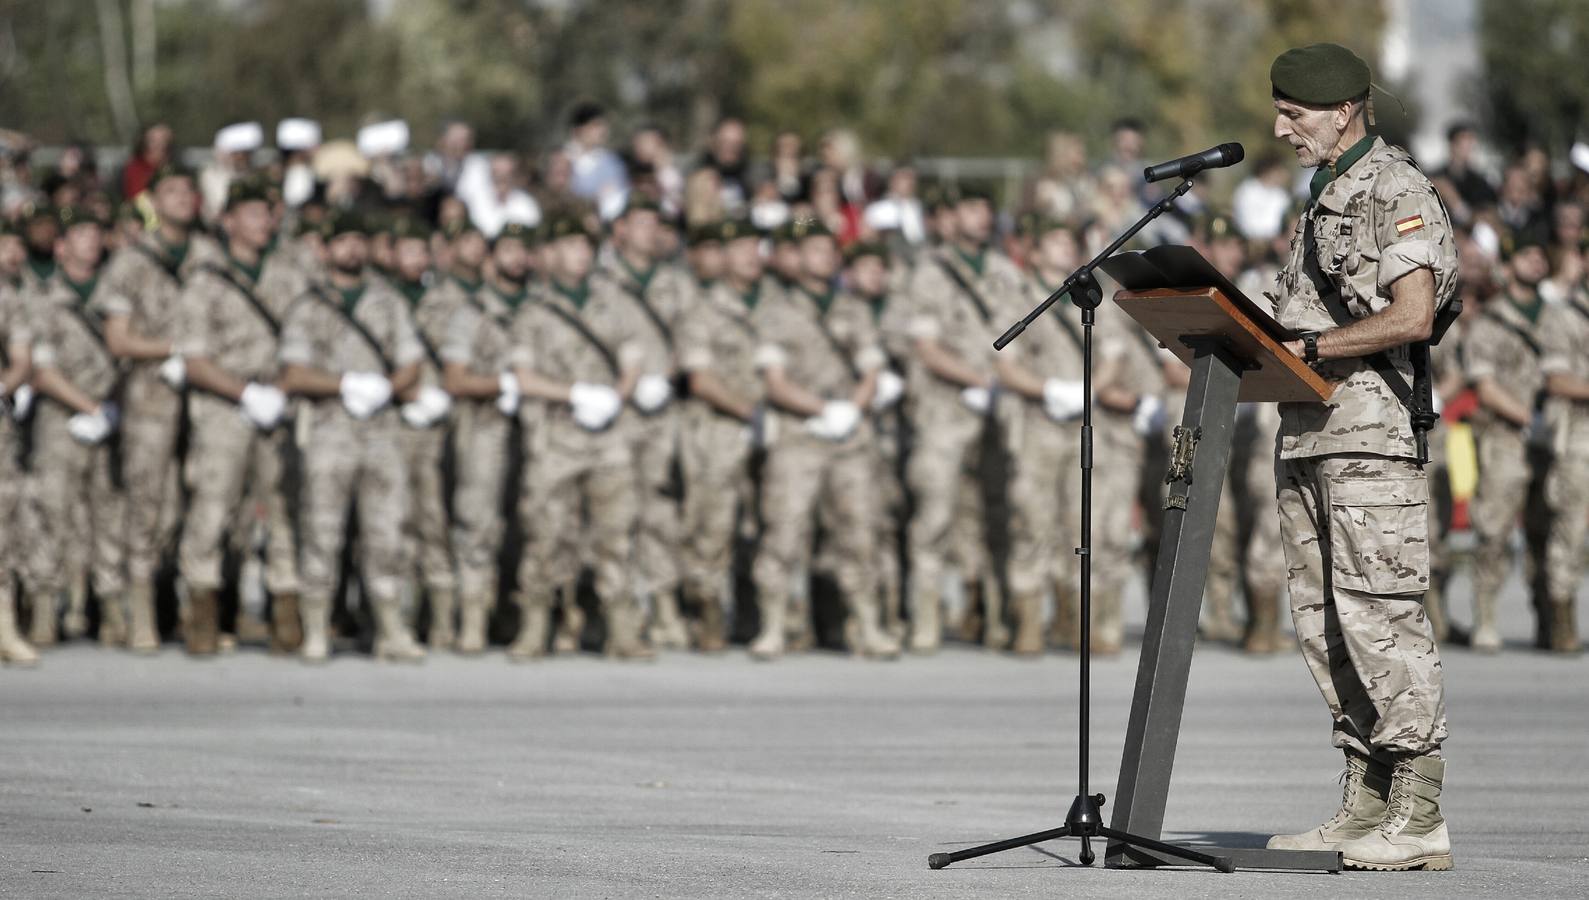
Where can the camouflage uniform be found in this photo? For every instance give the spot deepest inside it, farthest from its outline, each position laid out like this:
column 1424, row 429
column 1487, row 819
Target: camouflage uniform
column 946, row 460
column 426, row 529
column 228, row 457
column 576, row 483
column 344, row 458
column 668, row 292
column 16, row 331
column 719, row 336
column 478, row 336
column 1246, row 552
column 1046, row 493
column 1494, row 348
column 893, row 437
column 76, row 500
column 1353, row 501
column 1564, row 336
column 825, row 345
column 139, row 283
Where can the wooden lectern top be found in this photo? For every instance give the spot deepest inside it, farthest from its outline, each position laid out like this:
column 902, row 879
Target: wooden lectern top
column 1171, row 314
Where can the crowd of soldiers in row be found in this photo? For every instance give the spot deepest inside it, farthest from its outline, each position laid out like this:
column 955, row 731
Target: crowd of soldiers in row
column 696, row 414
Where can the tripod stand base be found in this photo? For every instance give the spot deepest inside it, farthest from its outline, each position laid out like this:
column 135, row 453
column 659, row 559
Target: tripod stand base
column 1085, row 822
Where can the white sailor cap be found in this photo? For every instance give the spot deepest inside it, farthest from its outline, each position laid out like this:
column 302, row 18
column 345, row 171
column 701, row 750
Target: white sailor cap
column 297, row 134
column 383, row 138
column 242, row 137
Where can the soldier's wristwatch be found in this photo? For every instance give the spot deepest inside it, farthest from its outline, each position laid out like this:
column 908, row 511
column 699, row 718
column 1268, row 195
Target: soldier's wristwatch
column 1310, row 347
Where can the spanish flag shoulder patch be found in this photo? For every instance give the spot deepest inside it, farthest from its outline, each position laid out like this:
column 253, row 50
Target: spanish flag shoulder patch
column 1408, row 225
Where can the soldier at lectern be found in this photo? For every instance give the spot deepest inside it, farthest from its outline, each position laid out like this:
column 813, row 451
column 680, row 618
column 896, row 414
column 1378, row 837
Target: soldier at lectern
column 1371, row 273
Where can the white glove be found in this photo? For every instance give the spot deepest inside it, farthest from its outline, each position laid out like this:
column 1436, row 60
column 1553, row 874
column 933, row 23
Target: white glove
column 508, row 394
column 263, row 405
column 22, row 402
column 363, row 393
column 174, row 372
column 977, row 399
column 652, row 392
column 836, row 422
column 1063, row 400
column 595, row 405
column 890, row 387
column 1149, row 416
column 92, row 428
column 428, row 408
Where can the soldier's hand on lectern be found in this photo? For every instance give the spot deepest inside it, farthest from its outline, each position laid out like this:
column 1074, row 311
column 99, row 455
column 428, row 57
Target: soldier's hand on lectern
column 1149, row 415
column 1063, row 400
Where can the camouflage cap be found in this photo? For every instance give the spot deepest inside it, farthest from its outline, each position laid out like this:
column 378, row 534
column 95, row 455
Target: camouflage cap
column 866, row 248
column 345, row 221
column 406, row 227
column 170, row 170
column 77, row 214
column 735, row 229
column 1319, row 75
column 247, row 190
column 513, row 231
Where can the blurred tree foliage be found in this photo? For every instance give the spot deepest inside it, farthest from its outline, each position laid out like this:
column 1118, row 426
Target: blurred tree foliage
column 1529, row 50
column 913, row 77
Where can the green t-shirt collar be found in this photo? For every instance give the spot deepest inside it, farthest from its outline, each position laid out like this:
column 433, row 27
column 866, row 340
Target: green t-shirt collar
column 752, row 296
column 1531, row 308
column 1331, row 171
column 253, row 271
column 643, row 279
column 578, row 295
column 824, row 301
column 975, row 260
column 83, row 290
column 413, row 290
column 351, row 297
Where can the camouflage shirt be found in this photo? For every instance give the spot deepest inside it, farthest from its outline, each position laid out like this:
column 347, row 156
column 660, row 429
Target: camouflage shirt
column 143, row 282
column 1564, row 337
column 68, row 336
column 1051, row 347
column 1374, row 223
column 1494, row 347
column 16, row 327
column 478, row 331
column 217, row 321
column 318, row 335
column 822, row 344
column 668, row 292
column 719, row 335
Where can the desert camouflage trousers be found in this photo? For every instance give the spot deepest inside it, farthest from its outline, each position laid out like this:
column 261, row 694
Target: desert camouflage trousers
column 716, row 459
column 654, row 443
column 151, row 422
column 1045, row 498
column 425, row 528
column 346, row 462
column 74, row 511
column 578, row 492
column 238, row 478
column 1502, row 495
column 1567, row 495
column 1356, row 533
column 481, row 457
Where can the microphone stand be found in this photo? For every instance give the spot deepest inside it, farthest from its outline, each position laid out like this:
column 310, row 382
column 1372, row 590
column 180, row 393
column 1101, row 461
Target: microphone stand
column 1085, row 819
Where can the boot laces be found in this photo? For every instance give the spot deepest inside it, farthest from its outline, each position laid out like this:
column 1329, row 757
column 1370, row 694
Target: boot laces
column 1398, row 808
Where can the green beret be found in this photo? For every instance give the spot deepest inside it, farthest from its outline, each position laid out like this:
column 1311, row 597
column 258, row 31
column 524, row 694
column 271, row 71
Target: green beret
column 640, row 203
column 345, row 221
column 513, row 231
column 783, row 234
column 1217, row 227
column 69, row 216
column 408, row 227
column 704, row 233
column 1515, row 241
column 936, row 196
column 973, row 191
column 246, row 190
column 866, row 248
column 800, row 229
column 734, row 229
column 7, row 227
column 40, row 213
column 1319, row 75
column 564, row 224
column 1038, row 224
column 170, row 170
column 457, row 228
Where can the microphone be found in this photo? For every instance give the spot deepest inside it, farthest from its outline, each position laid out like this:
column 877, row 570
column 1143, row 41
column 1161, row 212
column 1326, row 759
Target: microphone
column 1187, row 166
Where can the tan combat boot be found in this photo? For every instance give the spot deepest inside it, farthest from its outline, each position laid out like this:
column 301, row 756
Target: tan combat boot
column 1486, row 638
column 571, row 628
column 1413, row 833
column 995, row 631
column 1263, row 624
column 443, row 606
column 472, row 621
column 13, row 649
column 286, row 625
column 201, row 628
column 316, row 613
column 1028, row 625
column 74, row 620
column 626, row 631
column 113, row 621
column 1363, row 804
column 1564, row 628
column 535, row 616
column 1065, row 631
column 667, row 629
column 1108, row 629
column 710, row 629
column 769, row 642
column 143, row 636
column 394, row 642
column 869, row 638
column 1219, row 615
column 926, row 619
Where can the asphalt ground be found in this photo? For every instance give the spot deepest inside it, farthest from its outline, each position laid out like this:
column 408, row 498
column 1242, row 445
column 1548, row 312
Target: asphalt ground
column 817, row 776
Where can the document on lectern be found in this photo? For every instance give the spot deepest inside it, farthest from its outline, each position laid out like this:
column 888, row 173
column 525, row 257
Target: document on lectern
column 1179, row 266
